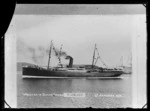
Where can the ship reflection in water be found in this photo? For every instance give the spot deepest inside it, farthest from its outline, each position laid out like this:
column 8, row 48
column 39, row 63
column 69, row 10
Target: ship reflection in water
column 74, row 93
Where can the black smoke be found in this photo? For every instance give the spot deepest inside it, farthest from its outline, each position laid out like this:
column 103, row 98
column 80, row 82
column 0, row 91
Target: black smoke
column 59, row 53
column 37, row 54
column 26, row 52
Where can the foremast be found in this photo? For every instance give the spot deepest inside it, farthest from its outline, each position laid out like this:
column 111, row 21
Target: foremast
column 49, row 55
column 58, row 54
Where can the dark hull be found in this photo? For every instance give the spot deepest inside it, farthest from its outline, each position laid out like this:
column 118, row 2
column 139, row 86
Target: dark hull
column 35, row 72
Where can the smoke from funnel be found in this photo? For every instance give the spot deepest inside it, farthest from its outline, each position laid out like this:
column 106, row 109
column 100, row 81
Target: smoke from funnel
column 39, row 54
column 34, row 54
column 58, row 53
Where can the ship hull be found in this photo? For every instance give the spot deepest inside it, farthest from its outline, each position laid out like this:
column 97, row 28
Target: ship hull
column 43, row 73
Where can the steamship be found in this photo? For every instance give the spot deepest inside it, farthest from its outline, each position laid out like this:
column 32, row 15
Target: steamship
column 70, row 70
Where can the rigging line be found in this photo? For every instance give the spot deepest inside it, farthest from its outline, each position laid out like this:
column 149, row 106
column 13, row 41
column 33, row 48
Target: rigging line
column 56, row 53
column 55, row 50
column 103, row 62
column 96, row 60
column 100, row 58
column 7, row 104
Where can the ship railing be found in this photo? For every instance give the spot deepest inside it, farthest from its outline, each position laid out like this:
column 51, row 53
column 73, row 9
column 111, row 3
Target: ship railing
column 35, row 66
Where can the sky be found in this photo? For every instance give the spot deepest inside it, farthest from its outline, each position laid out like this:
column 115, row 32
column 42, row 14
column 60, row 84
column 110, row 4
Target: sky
column 78, row 33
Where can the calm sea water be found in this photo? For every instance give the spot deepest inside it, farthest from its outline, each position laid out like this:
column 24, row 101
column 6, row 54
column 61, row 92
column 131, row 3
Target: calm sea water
column 96, row 93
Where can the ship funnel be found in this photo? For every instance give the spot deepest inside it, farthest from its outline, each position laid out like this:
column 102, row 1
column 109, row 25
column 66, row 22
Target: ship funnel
column 70, row 62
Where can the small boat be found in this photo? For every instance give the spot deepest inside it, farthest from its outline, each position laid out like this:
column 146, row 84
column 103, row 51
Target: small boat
column 70, row 70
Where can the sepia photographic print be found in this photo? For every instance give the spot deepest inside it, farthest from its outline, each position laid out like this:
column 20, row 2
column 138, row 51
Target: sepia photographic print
column 76, row 56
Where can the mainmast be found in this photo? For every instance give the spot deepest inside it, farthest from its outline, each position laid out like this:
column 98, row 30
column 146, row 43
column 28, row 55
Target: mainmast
column 49, row 55
column 93, row 56
column 60, row 55
column 99, row 58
